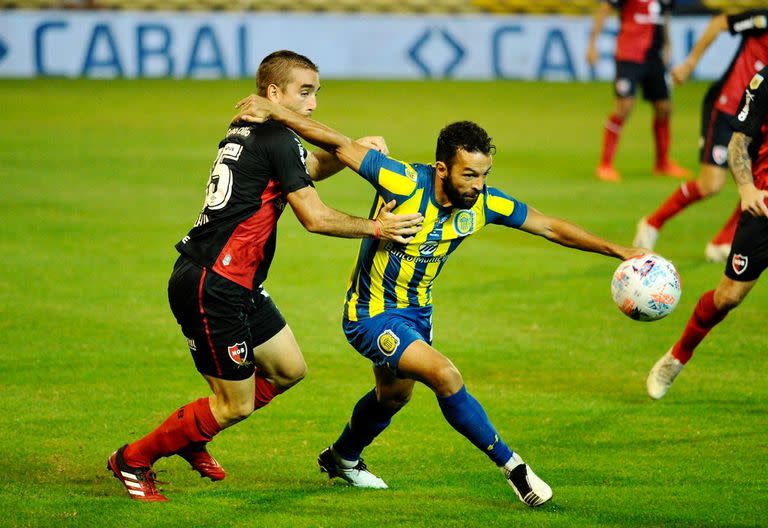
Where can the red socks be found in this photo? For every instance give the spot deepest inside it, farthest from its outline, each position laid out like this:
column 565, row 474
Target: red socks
column 661, row 134
column 264, row 392
column 192, row 423
column 725, row 235
column 704, row 318
column 611, row 139
column 683, row 196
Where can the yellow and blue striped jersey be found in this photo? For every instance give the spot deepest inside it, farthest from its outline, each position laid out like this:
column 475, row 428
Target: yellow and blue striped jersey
column 389, row 275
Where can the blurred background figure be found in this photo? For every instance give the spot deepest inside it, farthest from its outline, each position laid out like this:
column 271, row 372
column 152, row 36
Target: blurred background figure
column 642, row 55
column 717, row 110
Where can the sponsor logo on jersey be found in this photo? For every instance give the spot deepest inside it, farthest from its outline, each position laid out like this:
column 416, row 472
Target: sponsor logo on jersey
column 720, row 154
column 397, row 251
column 227, row 259
column 429, row 247
column 231, row 151
column 464, row 222
column 654, row 15
column 191, row 344
column 238, row 353
column 388, row 342
column 756, row 81
column 745, row 25
column 239, row 131
column 739, row 263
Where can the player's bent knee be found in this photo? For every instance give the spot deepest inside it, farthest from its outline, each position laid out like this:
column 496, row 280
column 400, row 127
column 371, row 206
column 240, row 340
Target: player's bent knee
column 727, row 301
column 447, row 380
column 711, row 182
column 233, row 412
column 729, row 297
column 709, row 188
column 288, row 376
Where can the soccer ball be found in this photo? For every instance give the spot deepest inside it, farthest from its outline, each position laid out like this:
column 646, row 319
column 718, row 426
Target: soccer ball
column 646, row 288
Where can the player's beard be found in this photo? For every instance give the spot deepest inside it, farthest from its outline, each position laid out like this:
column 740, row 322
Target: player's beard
column 459, row 200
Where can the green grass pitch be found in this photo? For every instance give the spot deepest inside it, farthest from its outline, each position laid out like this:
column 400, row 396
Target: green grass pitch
column 102, row 178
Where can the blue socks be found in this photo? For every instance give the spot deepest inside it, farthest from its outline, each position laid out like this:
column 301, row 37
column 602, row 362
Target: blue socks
column 467, row 416
column 368, row 420
column 461, row 410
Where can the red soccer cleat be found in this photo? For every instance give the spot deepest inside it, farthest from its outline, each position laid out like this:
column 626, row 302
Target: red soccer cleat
column 202, row 461
column 607, row 173
column 672, row 170
column 139, row 482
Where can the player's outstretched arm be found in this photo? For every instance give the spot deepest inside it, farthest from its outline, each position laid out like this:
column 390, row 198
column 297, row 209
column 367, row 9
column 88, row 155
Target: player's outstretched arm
column 682, row 72
column 573, row 236
column 752, row 199
column 322, row 164
column 256, row 109
column 316, row 217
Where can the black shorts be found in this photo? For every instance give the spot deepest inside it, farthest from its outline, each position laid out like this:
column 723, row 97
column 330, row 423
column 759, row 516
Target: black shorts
column 222, row 321
column 716, row 131
column 651, row 75
column 749, row 251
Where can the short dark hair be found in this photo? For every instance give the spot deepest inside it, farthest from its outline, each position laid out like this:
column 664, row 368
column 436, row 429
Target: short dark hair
column 464, row 135
column 276, row 68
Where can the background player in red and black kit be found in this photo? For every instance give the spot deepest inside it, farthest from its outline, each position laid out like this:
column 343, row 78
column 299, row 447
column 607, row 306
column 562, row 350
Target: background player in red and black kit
column 748, row 153
column 719, row 106
column 642, row 49
column 238, row 339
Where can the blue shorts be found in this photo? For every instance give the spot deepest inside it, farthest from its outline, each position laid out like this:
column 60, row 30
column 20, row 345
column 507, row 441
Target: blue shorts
column 383, row 338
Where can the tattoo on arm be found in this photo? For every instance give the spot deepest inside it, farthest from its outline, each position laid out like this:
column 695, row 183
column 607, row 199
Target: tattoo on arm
column 740, row 161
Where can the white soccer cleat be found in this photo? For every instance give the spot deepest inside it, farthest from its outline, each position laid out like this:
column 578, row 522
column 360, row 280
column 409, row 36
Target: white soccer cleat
column 528, row 487
column 662, row 375
column 646, row 235
column 717, row 253
column 357, row 476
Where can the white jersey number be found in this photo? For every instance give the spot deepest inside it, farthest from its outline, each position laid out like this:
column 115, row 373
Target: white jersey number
column 219, row 188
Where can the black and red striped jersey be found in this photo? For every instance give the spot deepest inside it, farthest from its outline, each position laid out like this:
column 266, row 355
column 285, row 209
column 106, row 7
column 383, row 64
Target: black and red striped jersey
column 256, row 167
column 752, row 121
column 750, row 58
column 641, row 33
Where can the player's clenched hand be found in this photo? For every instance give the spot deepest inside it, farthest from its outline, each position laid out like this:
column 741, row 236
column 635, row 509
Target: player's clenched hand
column 399, row 228
column 375, row 143
column 681, row 72
column 253, row 109
column 753, row 200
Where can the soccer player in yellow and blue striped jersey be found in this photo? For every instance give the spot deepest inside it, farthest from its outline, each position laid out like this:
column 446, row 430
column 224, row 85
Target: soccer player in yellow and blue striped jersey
column 394, row 276
column 387, row 315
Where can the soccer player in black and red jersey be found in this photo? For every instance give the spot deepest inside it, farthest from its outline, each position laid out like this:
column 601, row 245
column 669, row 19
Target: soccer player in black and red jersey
column 642, row 50
column 748, row 159
column 719, row 106
column 239, row 341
